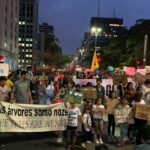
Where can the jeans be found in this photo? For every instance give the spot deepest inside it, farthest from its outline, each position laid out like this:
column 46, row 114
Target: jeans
column 123, row 130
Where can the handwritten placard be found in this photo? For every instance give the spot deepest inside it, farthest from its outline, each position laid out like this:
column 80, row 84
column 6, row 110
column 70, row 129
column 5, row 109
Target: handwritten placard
column 143, row 112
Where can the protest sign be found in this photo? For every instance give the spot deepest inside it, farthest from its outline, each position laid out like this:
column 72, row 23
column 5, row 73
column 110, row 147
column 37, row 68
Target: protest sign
column 73, row 97
column 89, row 93
column 130, row 71
column 4, row 69
column 32, row 118
column 147, row 69
column 147, row 77
column 121, row 114
column 120, row 78
column 82, row 82
column 111, row 105
column 141, row 71
column 143, row 112
column 108, row 85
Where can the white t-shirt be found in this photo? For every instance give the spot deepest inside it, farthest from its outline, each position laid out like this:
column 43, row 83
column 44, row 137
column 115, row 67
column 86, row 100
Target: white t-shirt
column 97, row 115
column 73, row 115
column 87, row 119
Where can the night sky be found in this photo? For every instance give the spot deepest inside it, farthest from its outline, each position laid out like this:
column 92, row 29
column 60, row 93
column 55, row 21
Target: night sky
column 71, row 18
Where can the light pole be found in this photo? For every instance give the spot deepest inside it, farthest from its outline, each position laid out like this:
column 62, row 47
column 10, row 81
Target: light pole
column 96, row 31
column 81, row 53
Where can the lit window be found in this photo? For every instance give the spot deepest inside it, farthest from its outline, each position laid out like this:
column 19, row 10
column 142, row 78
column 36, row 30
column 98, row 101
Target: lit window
column 19, row 22
column 22, row 44
column 19, row 39
column 27, row 45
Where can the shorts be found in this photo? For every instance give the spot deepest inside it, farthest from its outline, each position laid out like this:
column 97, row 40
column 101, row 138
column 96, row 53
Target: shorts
column 98, row 121
column 72, row 131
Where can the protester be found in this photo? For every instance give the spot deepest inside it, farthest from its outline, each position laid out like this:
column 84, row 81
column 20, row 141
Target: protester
column 111, row 105
column 21, row 89
column 49, row 92
column 87, row 126
column 4, row 91
column 100, row 89
column 41, row 92
column 145, row 138
column 138, row 122
column 123, row 126
column 74, row 115
column 98, row 110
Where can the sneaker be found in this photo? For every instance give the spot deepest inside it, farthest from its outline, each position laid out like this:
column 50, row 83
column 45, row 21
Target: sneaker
column 100, row 141
column 97, row 142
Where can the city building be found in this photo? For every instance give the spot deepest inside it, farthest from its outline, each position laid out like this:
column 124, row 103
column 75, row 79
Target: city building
column 45, row 31
column 9, row 15
column 102, row 32
column 28, row 31
column 109, row 28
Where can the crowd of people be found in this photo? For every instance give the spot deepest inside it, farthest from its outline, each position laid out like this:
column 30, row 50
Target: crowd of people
column 89, row 115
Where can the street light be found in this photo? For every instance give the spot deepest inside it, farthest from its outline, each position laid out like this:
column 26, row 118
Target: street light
column 95, row 31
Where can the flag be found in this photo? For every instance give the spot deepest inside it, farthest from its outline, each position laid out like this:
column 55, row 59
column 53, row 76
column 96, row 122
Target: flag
column 95, row 64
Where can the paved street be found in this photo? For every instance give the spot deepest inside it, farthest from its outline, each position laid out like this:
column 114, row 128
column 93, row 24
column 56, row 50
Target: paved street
column 41, row 142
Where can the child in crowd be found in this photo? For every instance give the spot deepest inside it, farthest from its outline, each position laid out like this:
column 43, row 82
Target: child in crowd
column 57, row 99
column 111, row 104
column 98, row 109
column 123, row 107
column 87, row 126
column 74, row 115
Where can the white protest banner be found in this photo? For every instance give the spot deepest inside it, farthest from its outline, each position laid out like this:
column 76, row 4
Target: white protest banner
column 85, row 81
column 32, row 118
column 108, row 85
column 4, row 69
column 122, row 114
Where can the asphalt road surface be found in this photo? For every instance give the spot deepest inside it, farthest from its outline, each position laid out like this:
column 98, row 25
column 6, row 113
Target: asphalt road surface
column 42, row 142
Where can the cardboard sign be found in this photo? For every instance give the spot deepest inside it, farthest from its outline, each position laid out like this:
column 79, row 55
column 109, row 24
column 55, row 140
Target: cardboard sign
column 89, row 93
column 4, row 70
column 147, row 77
column 130, row 71
column 141, row 71
column 147, row 69
column 120, row 78
column 143, row 112
column 121, row 114
column 111, row 105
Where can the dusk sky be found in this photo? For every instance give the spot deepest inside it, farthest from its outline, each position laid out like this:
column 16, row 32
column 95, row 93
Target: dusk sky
column 71, row 18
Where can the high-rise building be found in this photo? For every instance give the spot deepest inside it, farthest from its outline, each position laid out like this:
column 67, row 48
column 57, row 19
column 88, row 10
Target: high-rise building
column 45, row 31
column 110, row 28
column 9, row 32
column 28, row 24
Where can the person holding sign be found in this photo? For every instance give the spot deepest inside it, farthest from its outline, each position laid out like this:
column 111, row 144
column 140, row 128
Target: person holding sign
column 121, row 114
column 111, row 104
column 98, row 110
